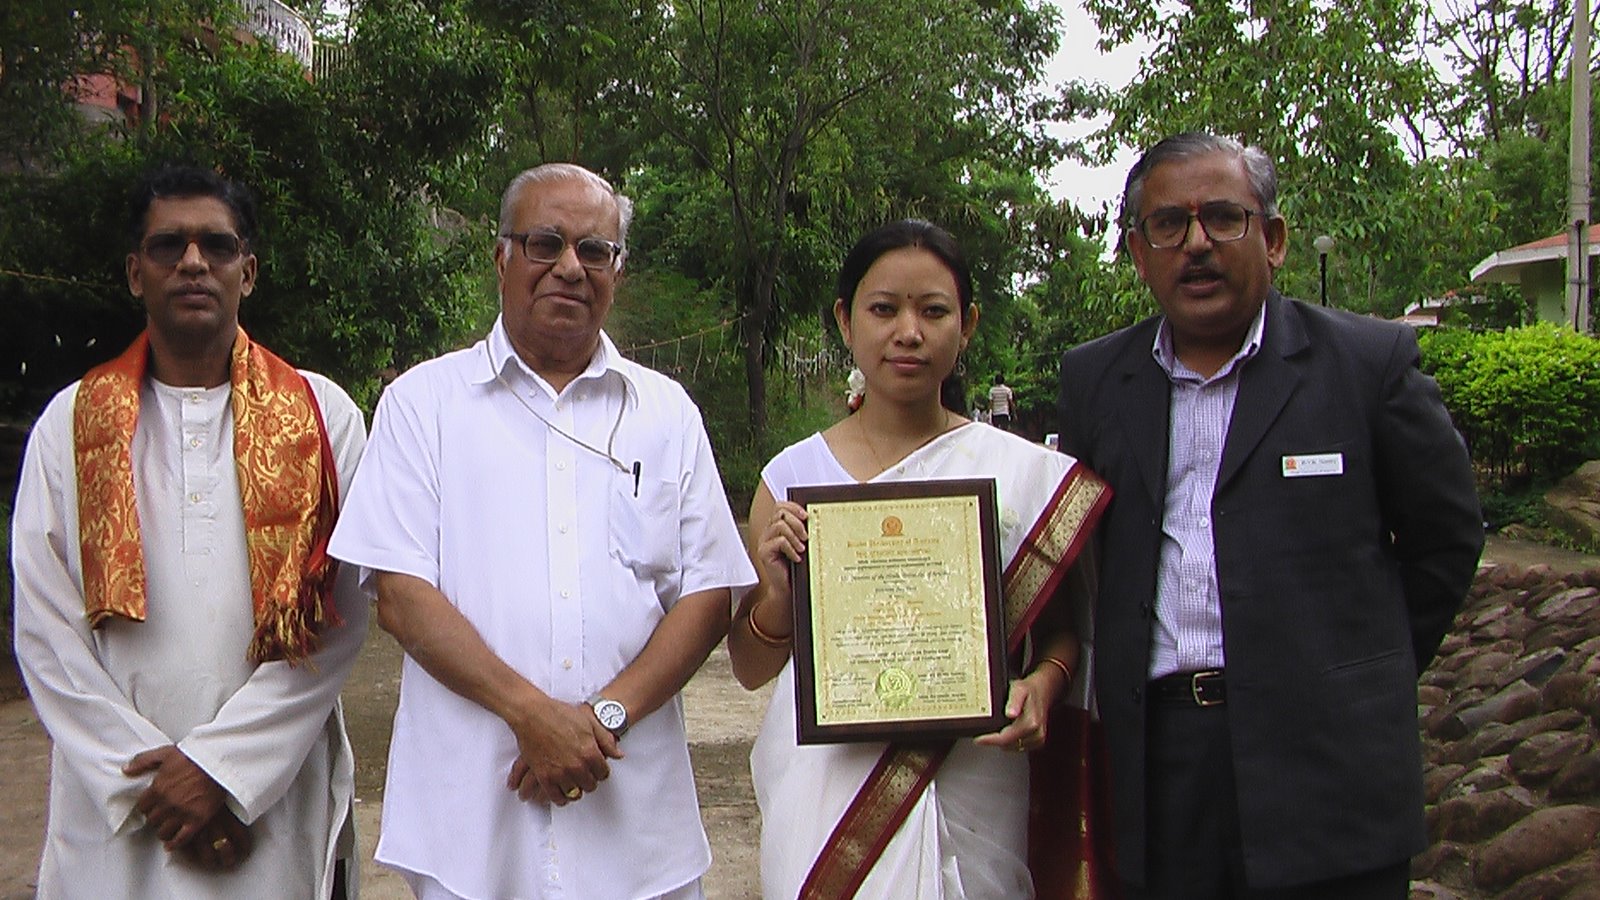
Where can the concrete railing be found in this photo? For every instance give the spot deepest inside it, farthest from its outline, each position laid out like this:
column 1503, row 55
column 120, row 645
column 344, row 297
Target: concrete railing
column 276, row 23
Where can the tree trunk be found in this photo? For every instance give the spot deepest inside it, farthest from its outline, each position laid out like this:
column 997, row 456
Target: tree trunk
column 755, row 372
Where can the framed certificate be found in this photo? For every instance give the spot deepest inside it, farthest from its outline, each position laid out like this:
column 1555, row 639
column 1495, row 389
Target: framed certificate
column 898, row 627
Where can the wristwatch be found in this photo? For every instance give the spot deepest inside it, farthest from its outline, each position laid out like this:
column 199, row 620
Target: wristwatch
column 612, row 714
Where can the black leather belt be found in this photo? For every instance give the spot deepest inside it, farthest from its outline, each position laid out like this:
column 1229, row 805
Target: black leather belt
column 1207, row 688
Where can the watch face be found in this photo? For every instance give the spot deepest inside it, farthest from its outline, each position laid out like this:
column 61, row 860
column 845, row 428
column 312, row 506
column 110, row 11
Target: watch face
column 611, row 714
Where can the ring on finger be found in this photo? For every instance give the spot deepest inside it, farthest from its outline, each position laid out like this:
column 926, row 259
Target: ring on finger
column 573, row 793
column 220, row 844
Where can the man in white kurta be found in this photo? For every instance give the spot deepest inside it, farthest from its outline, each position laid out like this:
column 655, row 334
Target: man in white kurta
column 269, row 733
column 564, row 525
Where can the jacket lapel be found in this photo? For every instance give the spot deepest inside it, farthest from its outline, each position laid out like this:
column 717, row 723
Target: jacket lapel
column 1145, row 408
column 1265, row 385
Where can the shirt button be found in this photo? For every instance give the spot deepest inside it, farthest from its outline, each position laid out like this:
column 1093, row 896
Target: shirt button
column 194, row 398
column 194, row 498
column 194, row 442
column 566, row 593
column 566, row 663
column 561, row 466
column 562, row 529
column 1205, row 523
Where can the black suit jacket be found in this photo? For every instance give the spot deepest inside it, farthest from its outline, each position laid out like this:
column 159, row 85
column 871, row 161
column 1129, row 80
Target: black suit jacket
column 1335, row 590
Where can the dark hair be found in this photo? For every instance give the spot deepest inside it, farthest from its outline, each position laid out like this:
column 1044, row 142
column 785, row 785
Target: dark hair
column 921, row 235
column 169, row 181
column 1258, row 168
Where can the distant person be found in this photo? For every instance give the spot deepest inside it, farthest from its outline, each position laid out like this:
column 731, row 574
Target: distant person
column 1294, row 527
column 1001, row 398
column 552, row 547
column 947, row 826
column 183, row 633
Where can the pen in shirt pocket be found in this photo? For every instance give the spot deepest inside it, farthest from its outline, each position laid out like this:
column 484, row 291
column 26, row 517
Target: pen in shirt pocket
column 638, row 466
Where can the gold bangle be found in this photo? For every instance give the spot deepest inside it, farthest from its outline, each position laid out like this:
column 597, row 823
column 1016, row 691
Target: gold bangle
column 1058, row 664
column 777, row 643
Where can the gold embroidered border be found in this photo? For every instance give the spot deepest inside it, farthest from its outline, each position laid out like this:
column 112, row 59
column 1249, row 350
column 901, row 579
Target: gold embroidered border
column 901, row 775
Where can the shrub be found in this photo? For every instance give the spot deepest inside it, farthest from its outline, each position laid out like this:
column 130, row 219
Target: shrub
column 1527, row 400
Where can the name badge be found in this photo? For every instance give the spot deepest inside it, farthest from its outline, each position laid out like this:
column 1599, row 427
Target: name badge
column 1313, row 464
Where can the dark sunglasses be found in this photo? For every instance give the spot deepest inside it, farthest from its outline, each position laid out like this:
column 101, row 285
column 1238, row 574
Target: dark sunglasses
column 168, row 247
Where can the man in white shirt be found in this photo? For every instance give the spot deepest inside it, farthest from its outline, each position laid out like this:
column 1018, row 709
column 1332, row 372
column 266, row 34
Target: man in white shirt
column 552, row 547
column 182, row 631
column 1001, row 398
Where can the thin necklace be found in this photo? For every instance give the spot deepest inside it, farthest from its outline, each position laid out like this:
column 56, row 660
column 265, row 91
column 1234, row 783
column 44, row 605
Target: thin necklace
column 610, row 441
column 877, row 457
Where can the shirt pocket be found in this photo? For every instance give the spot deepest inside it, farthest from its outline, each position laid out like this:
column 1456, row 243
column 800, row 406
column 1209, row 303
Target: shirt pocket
column 645, row 524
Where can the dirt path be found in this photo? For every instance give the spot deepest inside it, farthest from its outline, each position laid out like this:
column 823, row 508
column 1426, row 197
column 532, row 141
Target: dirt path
column 722, row 723
column 722, row 719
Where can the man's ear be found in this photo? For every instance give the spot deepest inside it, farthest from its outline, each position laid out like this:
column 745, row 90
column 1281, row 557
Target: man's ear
column 1276, row 232
column 1137, row 248
column 249, row 281
column 131, row 266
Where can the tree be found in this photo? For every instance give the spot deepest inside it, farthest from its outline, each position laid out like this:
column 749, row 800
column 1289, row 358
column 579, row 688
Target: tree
column 793, row 118
column 361, row 268
column 1328, row 90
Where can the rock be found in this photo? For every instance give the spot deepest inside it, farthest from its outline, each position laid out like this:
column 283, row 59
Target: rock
column 1491, row 774
column 1493, row 739
column 1432, row 696
column 1541, row 756
column 1591, row 889
column 1486, row 670
column 1556, row 720
column 1566, row 690
column 1555, row 882
column 1444, row 860
column 1476, row 817
column 1579, row 777
column 1538, row 667
column 1570, row 506
column 1556, row 634
column 1431, row 890
column 1543, row 838
column 1517, row 701
column 1572, row 603
column 1436, row 778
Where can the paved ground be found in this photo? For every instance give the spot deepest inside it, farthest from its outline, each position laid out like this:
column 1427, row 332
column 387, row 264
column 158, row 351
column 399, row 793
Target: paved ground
column 722, row 722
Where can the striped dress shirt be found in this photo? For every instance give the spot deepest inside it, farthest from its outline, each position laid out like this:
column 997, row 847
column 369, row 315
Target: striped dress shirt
column 1188, row 631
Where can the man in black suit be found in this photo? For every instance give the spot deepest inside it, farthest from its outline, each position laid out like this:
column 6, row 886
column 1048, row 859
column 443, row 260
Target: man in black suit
column 1293, row 529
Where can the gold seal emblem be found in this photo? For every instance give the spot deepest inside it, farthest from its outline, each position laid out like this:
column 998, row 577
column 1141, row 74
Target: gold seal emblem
column 892, row 526
column 895, row 686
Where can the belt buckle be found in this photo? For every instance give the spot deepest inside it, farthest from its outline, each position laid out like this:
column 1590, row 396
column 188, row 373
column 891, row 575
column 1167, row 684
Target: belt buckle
column 1196, row 682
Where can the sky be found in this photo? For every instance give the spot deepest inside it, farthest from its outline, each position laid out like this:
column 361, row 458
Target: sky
column 1079, row 58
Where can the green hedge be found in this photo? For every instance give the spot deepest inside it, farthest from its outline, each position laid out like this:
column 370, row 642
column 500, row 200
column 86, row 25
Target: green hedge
column 1527, row 400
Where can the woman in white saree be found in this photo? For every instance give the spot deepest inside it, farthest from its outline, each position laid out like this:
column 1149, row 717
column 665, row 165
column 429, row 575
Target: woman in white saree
column 872, row 819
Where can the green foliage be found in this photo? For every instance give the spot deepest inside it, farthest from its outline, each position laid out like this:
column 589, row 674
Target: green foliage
column 665, row 321
column 798, row 125
column 360, row 267
column 1527, row 400
column 1514, row 506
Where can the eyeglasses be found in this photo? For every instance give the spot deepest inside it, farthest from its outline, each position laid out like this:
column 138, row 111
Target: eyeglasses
column 547, row 247
column 1221, row 220
column 168, row 247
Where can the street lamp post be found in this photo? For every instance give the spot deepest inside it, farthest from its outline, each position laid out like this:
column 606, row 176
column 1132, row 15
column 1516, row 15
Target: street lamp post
column 1324, row 245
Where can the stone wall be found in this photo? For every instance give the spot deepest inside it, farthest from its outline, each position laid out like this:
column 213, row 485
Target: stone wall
column 1510, row 714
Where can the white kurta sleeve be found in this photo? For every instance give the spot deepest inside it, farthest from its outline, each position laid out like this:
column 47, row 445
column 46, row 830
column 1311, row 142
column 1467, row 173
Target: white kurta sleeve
column 713, row 554
column 258, row 741
column 92, row 722
column 391, row 522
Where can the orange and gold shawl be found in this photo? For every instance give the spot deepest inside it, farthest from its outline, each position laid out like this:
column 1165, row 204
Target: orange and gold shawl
column 288, row 486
